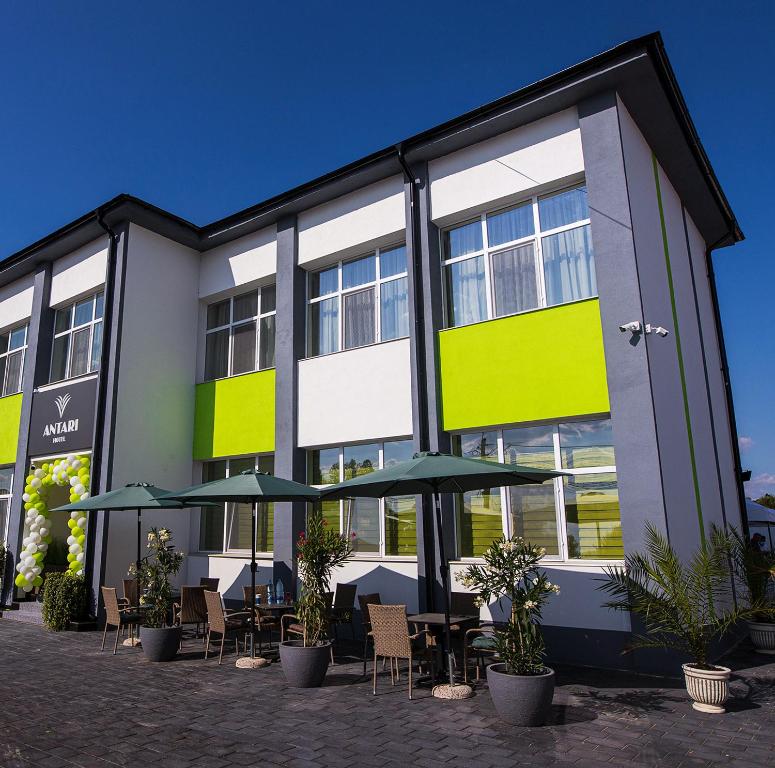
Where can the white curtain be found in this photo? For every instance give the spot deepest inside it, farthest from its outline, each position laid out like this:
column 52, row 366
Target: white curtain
column 324, row 326
column 569, row 266
column 514, row 278
column 359, row 319
column 394, row 310
column 466, row 298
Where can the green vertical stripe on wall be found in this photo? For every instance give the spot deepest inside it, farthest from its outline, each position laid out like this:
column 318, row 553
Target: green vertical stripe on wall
column 10, row 418
column 235, row 416
column 677, row 332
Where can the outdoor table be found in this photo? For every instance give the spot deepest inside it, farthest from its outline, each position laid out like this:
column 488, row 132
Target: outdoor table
column 437, row 620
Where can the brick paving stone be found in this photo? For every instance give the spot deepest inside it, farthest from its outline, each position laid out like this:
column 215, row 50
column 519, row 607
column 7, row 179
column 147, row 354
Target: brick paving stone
column 107, row 711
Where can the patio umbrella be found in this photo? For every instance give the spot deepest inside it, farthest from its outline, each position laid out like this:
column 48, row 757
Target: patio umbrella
column 438, row 473
column 249, row 487
column 134, row 496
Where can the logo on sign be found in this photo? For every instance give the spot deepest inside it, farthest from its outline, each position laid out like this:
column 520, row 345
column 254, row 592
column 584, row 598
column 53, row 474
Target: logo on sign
column 57, row 430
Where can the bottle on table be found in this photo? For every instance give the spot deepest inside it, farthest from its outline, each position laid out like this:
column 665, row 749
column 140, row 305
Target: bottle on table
column 280, row 591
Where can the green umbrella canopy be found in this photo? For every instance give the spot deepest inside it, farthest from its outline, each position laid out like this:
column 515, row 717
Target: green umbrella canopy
column 248, row 487
column 437, row 473
column 132, row 496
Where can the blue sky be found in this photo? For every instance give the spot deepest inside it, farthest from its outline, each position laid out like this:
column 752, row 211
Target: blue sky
column 206, row 108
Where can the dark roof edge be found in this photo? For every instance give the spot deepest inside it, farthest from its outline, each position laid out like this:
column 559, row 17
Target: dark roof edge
column 135, row 209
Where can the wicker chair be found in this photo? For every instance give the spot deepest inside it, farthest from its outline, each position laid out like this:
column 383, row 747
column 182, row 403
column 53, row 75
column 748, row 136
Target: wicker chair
column 364, row 601
column 191, row 609
column 129, row 600
column 390, row 633
column 264, row 622
column 221, row 623
column 117, row 617
column 290, row 624
column 342, row 609
column 209, row 584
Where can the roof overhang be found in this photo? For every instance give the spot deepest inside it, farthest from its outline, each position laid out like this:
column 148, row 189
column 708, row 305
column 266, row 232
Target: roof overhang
column 638, row 71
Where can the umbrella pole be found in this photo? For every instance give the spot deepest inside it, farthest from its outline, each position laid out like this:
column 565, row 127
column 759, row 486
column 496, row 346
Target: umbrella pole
column 444, row 586
column 253, row 582
column 139, row 547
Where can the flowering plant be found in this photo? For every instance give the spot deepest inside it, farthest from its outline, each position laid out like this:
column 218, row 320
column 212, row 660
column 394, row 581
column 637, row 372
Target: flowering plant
column 154, row 575
column 511, row 571
column 320, row 550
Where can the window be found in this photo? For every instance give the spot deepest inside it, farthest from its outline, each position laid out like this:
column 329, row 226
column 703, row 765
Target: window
column 13, row 344
column 358, row 302
column 6, row 484
column 383, row 527
column 240, row 334
column 572, row 517
column 226, row 527
column 77, row 338
column 536, row 254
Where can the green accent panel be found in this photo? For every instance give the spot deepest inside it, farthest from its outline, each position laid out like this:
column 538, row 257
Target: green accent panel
column 679, row 352
column 10, row 417
column 235, row 416
column 545, row 364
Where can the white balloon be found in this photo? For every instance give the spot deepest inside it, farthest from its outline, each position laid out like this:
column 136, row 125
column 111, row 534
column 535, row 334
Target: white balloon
column 79, row 572
column 20, row 567
column 75, row 549
column 40, row 519
column 36, row 569
column 42, row 547
column 79, row 557
column 25, row 497
column 81, row 522
column 43, row 531
column 25, row 541
column 79, row 489
column 27, row 588
column 33, row 527
column 34, row 537
column 84, row 496
column 35, row 482
column 39, row 473
column 74, row 515
column 32, row 548
column 29, row 575
column 29, row 561
column 70, row 457
column 70, row 540
column 74, row 480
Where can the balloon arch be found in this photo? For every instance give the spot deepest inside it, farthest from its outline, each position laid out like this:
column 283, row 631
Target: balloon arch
column 72, row 471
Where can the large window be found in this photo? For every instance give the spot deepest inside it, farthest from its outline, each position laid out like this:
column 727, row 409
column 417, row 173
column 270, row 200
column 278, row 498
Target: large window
column 573, row 517
column 536, row 254
column 77, row 338
column 226, row 527
column 358, row 302
column 382, row 527
column 13, row 343
column 6, row 483
column 240, row 334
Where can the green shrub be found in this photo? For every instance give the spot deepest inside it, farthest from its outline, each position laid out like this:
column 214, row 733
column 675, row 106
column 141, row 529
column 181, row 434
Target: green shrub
column 65, row 599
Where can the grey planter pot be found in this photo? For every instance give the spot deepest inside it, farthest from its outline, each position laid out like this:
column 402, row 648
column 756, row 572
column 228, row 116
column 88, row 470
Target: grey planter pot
column 160, row 643
column 304, row 667
column 762, row 636
column 521, row 699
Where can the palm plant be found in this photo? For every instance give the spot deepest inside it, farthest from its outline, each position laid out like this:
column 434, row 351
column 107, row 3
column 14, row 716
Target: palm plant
column 684, row 606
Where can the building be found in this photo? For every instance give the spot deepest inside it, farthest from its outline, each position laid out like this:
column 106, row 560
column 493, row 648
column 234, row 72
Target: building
column 472, row 288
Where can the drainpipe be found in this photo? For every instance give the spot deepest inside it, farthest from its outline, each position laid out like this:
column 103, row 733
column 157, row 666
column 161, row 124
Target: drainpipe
column 727, row 384
column 98, row 471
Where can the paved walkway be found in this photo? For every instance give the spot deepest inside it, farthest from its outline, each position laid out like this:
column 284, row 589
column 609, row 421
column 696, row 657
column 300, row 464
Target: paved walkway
column 66, row 704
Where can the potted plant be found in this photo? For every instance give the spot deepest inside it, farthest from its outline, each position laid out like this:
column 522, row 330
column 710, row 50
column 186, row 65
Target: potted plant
column 754, row 569
column 320, row 550
column 521, row 685
column 160, row 640
column 684, row 606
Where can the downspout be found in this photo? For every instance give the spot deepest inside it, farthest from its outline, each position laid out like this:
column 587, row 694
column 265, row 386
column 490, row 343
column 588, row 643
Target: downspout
column 99, row 417
column 423, row 438
column 727, row 384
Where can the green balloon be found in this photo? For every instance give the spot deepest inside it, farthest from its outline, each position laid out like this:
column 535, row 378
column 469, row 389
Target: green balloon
column 70, row 557
column 81, row 539
column 75, row 565
column 28, row 505
column 34, row 498
column 71, row 523
column 38, row 557
column 29, row 489
column 40, row 506
column 37, row 581
column 48, row 538
column 20, row 581
column 77, row 531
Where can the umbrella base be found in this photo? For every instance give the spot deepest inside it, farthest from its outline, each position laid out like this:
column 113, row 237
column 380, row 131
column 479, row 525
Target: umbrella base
column 457, row 691
column 245, row 662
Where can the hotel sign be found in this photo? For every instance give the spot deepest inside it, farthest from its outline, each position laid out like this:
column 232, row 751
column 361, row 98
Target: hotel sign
column 63, row 418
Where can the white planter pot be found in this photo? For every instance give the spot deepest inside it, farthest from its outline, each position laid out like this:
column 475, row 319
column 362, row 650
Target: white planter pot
column 762, row 636
column 708, row 688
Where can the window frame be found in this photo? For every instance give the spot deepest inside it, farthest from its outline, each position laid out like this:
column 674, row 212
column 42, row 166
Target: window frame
column 340, row 293
column 379, row 555
column 10, row 353
column 487, row 253
column 558, row 488
column 7, row 498
column 225, row 549
column 233, row 324
column 72, row 330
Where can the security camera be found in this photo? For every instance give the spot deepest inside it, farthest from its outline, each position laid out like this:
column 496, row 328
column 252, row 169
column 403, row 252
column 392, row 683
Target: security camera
column 633, row 327
column 658, row 329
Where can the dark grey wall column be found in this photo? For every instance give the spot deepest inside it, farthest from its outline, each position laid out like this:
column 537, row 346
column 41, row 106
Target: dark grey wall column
column 104, row 423
column 36, row 370
column 289, row 459
column 426, row 318
column 627, row 359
